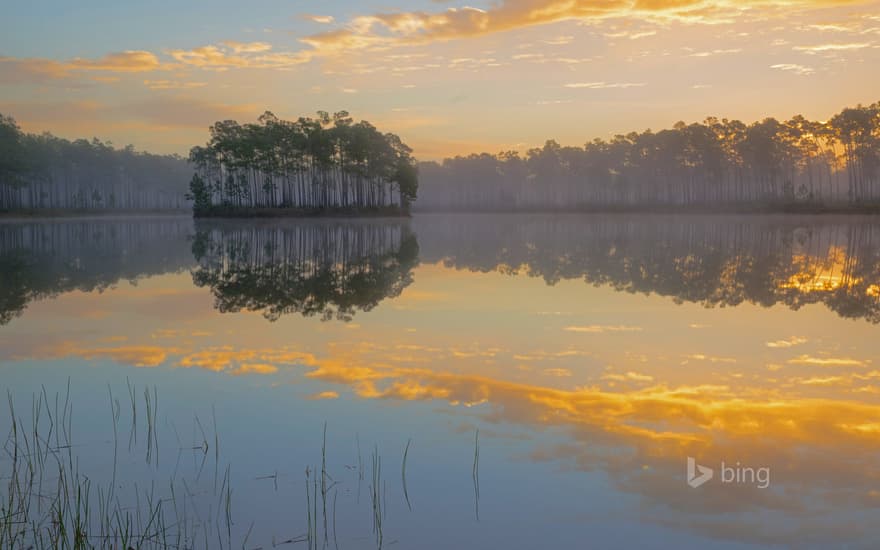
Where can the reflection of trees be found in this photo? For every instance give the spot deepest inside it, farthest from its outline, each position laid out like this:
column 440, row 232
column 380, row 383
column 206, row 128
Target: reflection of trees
column 313, row 267
column 716, row 262
column 41, row 260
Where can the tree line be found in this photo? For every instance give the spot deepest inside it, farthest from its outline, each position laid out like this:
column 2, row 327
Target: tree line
column 45, row 171
column 326, row 162
column 716, row 162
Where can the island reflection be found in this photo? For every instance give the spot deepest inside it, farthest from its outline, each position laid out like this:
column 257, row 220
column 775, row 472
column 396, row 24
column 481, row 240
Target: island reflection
column 332, row 269
column 328, row 269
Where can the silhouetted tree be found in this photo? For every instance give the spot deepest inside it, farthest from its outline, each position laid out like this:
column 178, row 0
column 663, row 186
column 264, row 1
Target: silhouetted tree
column 325, row 162
column 716, row 162
column 49, row 172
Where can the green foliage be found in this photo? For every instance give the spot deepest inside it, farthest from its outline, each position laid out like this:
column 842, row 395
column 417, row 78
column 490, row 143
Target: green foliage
column 326, row 162
column 199, row 194
column 44, row 171
column 768, row 162
column 12, row 152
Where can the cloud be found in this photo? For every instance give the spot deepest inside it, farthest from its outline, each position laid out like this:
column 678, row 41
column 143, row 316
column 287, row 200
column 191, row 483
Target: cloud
column 182, row 111
column 130, row 61
column 382, row 30
column 254, row 368
column 795, row 68
column 552, row 101
column 558, row 372
column 826, row 361
column 599, row 329
column 32, row 71
column 710, row 53
column 320, row 19
column 629, row 376
column 248, row 47
column 172, row 85
column 558, row 41
column 833, row 47
column 41, row 71
column 138, row 356
column 631, row 35
column 324, row 395
column 709, row 358
column 791, row 342
column 604, row 85
column 229, row 55
column 245, row 361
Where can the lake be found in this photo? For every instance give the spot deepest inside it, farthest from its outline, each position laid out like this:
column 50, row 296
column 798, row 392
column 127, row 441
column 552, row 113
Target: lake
column 445, row 381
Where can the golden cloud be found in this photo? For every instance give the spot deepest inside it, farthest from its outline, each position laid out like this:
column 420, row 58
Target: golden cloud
column 129, row 61
column 600, row 329
column 826, row 361
column 137, row 356
column 238, row 55
column 37, row 70
column 790, row 342
column 386, row 29
column 248, row 47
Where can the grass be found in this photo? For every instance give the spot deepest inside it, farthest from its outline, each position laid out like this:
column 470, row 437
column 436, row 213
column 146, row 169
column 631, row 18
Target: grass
column 48, row 501
column 476, row 474
column 403, row 474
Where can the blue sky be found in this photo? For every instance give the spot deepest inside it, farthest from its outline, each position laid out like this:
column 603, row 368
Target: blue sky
column 450, row 78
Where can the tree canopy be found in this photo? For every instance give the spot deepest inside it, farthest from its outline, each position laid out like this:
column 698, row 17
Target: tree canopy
column 44, row 171
column 718, row 161
column 319, row 163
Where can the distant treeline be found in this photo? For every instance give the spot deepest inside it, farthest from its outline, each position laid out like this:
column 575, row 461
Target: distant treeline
column 717, row 162
column 44, row 171
column 328, row 162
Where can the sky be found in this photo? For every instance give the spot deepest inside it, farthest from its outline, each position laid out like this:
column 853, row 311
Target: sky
column 450, row 78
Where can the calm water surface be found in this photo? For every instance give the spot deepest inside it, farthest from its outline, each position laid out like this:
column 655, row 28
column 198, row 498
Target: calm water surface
column 550, row 374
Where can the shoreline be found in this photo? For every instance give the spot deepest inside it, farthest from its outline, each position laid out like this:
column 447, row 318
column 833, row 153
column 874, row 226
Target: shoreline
column 220, row 212
column 772, row 209
column 61, row 213
column 396, row 212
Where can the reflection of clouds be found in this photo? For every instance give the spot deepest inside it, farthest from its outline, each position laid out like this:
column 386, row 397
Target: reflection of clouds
column 254, row 368
column 136, row 355
column 324, row 395
column 245, row 361
column 640, row 438
column 638, row 434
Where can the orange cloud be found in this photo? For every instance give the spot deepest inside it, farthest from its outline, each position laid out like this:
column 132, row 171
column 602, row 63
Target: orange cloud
column 248, row 47
column 324, row 395
column 230, row 55
column 129, row 61
column 138, row 356
column 37, row 70
column 382, row 30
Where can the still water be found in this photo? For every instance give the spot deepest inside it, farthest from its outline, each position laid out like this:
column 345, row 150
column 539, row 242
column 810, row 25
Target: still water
column 459, row 381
